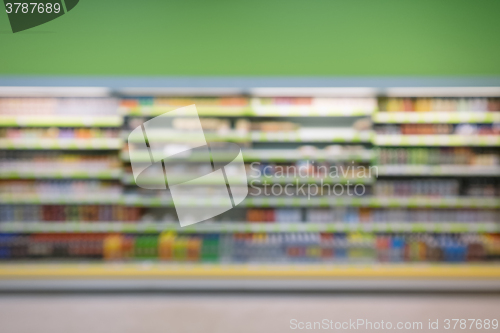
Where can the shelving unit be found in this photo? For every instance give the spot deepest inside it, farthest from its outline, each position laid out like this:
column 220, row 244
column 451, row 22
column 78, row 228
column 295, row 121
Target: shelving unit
column 255, row 136
column 59, row 199
column 253, row 109
column 458, row 202
column 272, row 148
column 264, row 180
column 272, row 155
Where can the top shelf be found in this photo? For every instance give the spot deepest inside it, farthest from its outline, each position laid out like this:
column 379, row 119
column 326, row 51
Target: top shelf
column 259, row 86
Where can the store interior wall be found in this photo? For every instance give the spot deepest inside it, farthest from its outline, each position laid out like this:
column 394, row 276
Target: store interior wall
column 260, row 38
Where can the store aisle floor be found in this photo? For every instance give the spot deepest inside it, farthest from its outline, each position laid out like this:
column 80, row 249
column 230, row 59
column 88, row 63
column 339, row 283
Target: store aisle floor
column 232, row 312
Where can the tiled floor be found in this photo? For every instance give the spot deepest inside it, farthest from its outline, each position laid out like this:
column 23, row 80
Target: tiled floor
column 234, row 313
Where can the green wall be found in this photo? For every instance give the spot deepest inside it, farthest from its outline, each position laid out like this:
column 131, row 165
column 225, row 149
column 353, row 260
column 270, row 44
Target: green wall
column 260, row 37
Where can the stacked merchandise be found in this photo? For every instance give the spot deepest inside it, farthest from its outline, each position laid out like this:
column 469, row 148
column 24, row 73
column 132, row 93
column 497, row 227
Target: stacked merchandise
column 257, row 247
column 59, row 123
column 369, row 215
column 56, row 154
column 58, row 133
column 76, row 107
column 440, row 156
column 443, row 129
column 46, row 189
column 459, row 168
column 264, row 107
column 57, row 164
column 440, row 104
column 156, row 106
column 240, row 217
column 69, row 213
column 459, row 122
column 307, row 147
column 437, row 188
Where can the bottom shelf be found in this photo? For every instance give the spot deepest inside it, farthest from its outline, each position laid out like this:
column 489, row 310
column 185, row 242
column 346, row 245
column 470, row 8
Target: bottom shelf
column 160, row 270
column 155, row 277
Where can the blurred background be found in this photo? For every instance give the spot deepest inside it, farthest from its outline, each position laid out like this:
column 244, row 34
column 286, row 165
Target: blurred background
column 370, row 134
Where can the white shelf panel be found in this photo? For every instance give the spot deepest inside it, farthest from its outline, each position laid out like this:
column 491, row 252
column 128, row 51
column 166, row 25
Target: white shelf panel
column 244, row 227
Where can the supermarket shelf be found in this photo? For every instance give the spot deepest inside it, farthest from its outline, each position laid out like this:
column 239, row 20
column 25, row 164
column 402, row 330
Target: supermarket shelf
column 68, row 144
column 438, row 170
column 437, row 140
column 277, row 155
column 257, row 136
column 212, row 111
column 60, row 120
column 410, row 202
column 306, row 111
column 61, row 174
column 311, row 136
column 179, row 136
column 95, row 199
column 244, row 227
column 256, row 181
column 271, row 155
column 154, row 270
column 142, row 201
column 436, row 117
column 254, row 111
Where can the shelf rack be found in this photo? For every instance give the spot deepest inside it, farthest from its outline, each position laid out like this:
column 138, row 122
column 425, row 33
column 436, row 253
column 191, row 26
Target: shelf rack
column 270, row 155
column 436, row 140
column 435, row 117
column 374, row 202
column 254, row 111
column 257, row 136
column 246, row 227
column 62, row 174
column 367, row 138
column 234, row 271
column 60, row 120
column 264, row 180
column 61, row 144
column 439, row 170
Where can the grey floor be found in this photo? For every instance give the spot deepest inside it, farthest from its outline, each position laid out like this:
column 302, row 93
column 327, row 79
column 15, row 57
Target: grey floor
column 235, row 313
